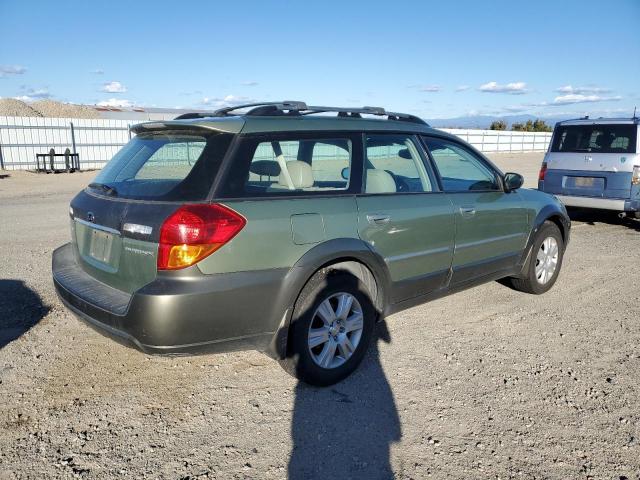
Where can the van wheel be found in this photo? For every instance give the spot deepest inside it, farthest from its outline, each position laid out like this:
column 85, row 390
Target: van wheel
column 545, row 261
column 331, row 329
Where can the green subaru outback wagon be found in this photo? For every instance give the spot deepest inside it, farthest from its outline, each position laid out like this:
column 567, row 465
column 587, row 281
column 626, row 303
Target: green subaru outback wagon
column 292, row 229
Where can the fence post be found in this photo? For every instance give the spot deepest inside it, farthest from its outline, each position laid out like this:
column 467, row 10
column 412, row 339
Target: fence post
column 67, row 152
column 52, row 157
column 129, row 130
column 1, row 159
column 73, row 137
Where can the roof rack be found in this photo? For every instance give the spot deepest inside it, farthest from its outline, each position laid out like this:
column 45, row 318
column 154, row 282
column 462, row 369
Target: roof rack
column 297, row 108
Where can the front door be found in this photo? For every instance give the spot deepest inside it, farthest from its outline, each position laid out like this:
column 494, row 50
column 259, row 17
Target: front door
column 404, row 217
column 491, row 225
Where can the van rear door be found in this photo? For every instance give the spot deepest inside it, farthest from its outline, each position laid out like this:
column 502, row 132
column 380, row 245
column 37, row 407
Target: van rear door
column 594, row 160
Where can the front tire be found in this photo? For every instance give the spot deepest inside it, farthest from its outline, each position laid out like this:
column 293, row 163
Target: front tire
column 331, row 329
column 545, row 261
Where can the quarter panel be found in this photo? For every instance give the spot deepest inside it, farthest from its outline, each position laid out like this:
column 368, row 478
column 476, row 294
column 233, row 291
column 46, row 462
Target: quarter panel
column 267, row 240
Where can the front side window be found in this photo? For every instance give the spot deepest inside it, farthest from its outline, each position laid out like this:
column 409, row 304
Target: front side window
column 460, row 169
column 595, row 138
column 393, row 164
column 164, row 166
column 290, row 167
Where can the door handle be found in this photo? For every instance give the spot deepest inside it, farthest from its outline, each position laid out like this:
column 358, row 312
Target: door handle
column 467, row 210
column 378, row 218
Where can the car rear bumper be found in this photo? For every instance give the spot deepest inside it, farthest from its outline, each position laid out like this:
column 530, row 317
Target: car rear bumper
column 618, row 205
column 182, row 312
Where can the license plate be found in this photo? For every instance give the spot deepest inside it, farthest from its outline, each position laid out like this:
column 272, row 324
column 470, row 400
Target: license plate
column 100, row 247
column 584, row 181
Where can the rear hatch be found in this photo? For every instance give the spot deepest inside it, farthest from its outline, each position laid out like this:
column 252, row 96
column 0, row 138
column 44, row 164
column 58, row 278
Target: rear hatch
column 116, row 220
column 594, row 160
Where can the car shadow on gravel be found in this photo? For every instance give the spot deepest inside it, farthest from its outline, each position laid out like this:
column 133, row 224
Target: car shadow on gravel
column 592, row 217
column 20, row 309
column 346, row 430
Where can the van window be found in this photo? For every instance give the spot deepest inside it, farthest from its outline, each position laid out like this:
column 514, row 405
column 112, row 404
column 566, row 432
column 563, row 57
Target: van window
column 595, row 138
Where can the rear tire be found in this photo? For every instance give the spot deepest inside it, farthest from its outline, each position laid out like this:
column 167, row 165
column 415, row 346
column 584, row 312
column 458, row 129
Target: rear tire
column 544, row 263
column 331, row 329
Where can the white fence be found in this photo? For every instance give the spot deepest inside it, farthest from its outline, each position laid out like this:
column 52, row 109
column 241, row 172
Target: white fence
column 96, row 141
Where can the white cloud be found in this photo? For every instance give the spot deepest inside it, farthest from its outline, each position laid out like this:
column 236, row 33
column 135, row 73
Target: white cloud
column 430, row 88
column 572, row 98
column 32, row 94
column 97, row 71
column 514, row 88
column 6, row 70
column 462, row 88
column 114, row 87
column 250, row 83
column 116, row 103
column 568, row 89
column 226, row 101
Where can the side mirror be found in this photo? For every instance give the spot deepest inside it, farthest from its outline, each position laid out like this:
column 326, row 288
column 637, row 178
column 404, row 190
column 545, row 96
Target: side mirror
column 513, row 181
column 346, row 171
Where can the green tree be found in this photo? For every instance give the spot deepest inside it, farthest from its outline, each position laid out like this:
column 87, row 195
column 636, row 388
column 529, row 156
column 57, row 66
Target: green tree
column 498, row 125
column 531, row 126
column 541, row 126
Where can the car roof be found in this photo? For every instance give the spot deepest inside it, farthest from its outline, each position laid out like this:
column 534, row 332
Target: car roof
column 599, row 121
column 295, row 116
column 269, row 124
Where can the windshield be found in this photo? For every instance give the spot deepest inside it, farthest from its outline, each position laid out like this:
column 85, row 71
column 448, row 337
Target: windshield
column 167, row 166
column 595, row 138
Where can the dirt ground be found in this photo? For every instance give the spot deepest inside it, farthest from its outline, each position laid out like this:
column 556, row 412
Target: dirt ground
column 488, row 383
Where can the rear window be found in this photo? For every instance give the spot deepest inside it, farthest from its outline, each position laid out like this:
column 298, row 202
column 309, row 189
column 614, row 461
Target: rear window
column 595, row 138
column 167, row 166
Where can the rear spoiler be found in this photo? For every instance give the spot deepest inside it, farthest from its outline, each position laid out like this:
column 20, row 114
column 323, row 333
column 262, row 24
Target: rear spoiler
column 226, row 125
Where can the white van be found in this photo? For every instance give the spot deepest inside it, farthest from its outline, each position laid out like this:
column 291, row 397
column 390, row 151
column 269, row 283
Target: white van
column 594, row 163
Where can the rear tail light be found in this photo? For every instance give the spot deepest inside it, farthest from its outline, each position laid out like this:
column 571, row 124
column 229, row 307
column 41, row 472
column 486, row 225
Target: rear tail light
column 543, row 171
column 193, row 232
column 635, row 178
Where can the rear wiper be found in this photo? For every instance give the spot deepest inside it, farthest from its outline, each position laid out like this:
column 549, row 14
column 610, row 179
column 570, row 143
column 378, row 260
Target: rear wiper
column 109, row 190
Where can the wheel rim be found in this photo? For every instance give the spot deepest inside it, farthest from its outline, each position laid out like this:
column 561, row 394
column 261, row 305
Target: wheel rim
column 336, row 330
column 547, row 260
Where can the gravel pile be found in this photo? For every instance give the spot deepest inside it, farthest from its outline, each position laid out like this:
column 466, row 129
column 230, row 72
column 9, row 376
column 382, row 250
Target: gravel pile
column 51, row 108
column 15, row 108
column 45, row 108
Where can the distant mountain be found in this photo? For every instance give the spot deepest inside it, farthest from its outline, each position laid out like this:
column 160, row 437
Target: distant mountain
column 484, row 121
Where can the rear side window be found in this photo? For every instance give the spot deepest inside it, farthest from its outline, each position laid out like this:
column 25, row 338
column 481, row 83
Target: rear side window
column 460, row 169
column 164, row 166
column 290, row 167
column 393, row 164
column 595, row 138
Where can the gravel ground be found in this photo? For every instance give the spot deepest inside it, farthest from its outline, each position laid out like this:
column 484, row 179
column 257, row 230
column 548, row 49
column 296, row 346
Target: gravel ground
column 488, row 383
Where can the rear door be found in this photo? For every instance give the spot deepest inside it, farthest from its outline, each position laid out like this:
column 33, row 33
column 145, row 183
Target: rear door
column 116, row 220
column 491, row 225
column 404, row 217
column 594, row 160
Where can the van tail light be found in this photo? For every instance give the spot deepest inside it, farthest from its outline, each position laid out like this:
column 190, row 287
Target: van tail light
column 635, row 178
column 543, row 171
column 194, row 232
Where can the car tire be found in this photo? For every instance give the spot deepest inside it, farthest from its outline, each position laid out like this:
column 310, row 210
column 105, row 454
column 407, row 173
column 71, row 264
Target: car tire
column 537, row 278
column 309, row 362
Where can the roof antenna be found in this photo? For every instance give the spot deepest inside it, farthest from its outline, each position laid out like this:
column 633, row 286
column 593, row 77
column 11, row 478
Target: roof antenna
column 634, row 112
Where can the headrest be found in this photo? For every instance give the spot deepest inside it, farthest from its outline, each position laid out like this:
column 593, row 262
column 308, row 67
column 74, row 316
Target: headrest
column 301, row 175
column 379, row 181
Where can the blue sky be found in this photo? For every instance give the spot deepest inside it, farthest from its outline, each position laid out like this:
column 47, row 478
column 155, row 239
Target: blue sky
column 434, row 59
